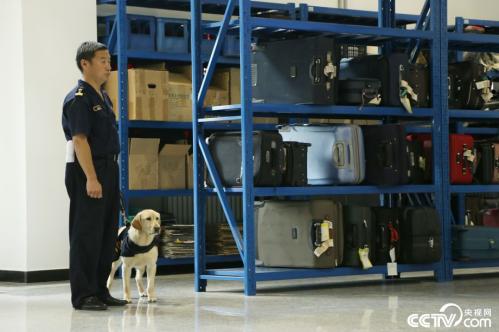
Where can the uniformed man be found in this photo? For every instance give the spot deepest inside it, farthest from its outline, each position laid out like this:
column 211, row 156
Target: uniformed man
column 92, row 180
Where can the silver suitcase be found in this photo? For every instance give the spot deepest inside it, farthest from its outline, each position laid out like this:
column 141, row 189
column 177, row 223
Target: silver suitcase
column 336, row 154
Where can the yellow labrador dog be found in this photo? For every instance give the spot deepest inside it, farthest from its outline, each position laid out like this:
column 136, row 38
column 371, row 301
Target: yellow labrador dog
column 137, row 248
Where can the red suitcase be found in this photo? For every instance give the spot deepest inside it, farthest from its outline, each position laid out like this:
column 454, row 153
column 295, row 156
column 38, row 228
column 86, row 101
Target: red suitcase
column 462, row 158
column 490, row 218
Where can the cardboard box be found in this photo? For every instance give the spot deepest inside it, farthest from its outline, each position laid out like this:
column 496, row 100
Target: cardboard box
column 147, row 94
column 180, row 93
column 143, row 163
column 179, row 99
column 173, row 166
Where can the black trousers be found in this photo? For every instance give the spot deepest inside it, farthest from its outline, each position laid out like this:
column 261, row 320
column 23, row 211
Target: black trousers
column 93, row 227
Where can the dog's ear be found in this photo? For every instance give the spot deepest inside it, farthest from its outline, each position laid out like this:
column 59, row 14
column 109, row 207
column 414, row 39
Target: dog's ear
column 136, row 222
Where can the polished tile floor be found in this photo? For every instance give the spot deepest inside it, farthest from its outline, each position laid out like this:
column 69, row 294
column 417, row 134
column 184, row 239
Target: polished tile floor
column 334, row 304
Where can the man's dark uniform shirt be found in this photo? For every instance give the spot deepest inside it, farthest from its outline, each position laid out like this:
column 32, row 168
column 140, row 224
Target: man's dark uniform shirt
column 84, row 112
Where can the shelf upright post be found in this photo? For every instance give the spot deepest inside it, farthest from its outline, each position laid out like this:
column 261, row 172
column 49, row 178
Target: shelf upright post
column 386, row 19
column 122, row 36
column 459, row 27
column 199, row 194
column 441, row 132
column 247, row 147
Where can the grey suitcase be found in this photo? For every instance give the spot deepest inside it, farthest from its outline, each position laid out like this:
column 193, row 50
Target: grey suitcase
column 286, row 233
column 336, row 154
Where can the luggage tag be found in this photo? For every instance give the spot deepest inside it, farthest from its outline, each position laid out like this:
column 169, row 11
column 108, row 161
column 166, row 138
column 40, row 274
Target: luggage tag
column 469, row 155
column 406, row 94
column 364, row 258
column 327, row 242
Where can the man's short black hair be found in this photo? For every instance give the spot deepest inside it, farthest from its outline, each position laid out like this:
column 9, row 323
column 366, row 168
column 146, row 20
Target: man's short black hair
column 87, row 51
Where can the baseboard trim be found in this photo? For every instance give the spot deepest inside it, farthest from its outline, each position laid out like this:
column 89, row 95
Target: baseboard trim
column 34, row 276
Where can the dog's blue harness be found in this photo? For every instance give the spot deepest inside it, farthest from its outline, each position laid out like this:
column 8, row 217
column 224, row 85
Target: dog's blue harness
column 125, row 247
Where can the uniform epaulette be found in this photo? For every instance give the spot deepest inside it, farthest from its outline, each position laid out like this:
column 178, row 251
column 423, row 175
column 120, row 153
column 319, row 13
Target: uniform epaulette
column 79, row 91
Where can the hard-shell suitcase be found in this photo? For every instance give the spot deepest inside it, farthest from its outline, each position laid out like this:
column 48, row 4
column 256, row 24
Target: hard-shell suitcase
column 391, row 70
column 387, row 162
column 420, row 236
column 295, row 173
column 490, row 217
column 358, row 91
column 287, row 233
column 358, row 223
column 297, row 71
column 475, row 242
column 468, row 85
column 268, row 158
column 485, row 166
column 462, row 158
column 387, row 234
column 336, row 154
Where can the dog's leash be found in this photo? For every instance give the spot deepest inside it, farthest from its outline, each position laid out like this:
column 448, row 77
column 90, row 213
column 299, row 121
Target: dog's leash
column 123, row 211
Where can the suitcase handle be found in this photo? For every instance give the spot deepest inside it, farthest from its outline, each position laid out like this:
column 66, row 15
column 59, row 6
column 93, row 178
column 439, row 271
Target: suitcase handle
column 341, row 155
column 315, row 70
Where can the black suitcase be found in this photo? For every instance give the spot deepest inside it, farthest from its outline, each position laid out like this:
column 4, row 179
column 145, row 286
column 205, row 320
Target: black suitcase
column 298, row 71
column 417, row 162
column 420, row 236
column 358, row 228
column 387, row 234
column 358, row 91
column 386, row 151
column 295, row 173
column 486, row 164
column 390, row 70
column 466, row 82
column 268, row 158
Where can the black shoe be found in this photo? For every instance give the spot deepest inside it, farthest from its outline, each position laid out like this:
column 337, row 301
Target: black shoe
column 91, row 303
column 113, row 302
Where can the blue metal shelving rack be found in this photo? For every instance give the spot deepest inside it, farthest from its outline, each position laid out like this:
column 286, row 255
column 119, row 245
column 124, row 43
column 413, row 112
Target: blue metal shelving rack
column 382, row 28
column 385, row 33
column 460, row 41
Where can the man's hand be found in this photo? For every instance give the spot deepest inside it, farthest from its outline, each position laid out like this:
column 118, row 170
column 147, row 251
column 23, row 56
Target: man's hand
column 84, row 155
column 94, row 188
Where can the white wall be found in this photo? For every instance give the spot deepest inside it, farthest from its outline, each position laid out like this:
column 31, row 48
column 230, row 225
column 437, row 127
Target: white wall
column 40, row 39
column 52, row 33
column 479, row 9
column 12, row 140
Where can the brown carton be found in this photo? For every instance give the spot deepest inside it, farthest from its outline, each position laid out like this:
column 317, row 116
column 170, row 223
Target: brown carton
column 173, row 166
column 147, row 94
column 143, row 163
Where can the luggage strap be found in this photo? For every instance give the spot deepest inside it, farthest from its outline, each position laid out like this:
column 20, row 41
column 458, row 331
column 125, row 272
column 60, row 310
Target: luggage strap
column 324, row 236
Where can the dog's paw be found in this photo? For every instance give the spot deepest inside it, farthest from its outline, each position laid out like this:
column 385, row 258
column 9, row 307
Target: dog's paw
column 144, row 294
column 128, row 300
column 152, row 299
